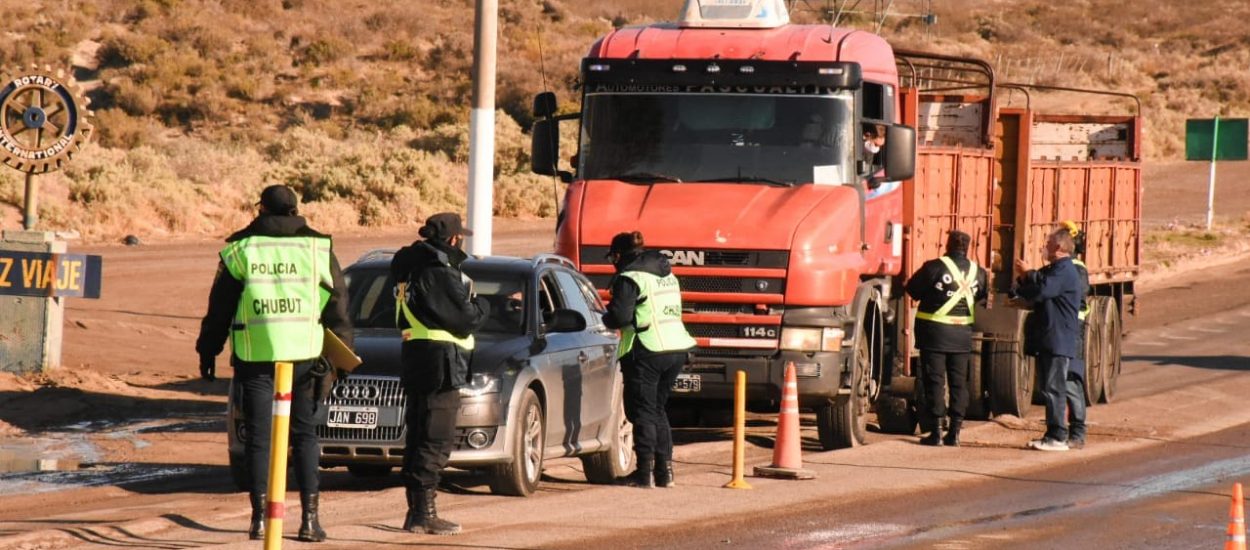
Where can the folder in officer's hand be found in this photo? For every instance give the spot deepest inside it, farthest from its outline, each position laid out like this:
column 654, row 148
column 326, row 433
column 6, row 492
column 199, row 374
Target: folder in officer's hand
column 338, row 354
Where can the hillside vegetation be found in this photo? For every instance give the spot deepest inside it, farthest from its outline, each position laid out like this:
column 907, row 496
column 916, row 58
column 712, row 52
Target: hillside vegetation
column 362, row 106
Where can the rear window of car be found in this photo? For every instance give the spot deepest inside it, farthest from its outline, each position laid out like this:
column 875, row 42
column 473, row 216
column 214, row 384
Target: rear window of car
column 371, row 300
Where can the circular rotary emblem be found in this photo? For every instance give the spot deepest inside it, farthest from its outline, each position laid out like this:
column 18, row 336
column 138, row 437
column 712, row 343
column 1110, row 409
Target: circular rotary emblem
column 43, row 121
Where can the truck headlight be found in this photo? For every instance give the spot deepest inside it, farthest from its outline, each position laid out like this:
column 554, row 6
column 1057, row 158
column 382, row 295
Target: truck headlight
column 811, row 339
column 479, row 385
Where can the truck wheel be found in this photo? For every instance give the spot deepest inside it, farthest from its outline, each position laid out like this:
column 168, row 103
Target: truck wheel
column 240, row 475
column 842, row 422
column 618, row 459
column 895, row 415
column 1094, row 357
column 978, row 405
column 1111, row 351
column 1012, row 376
column 529, row 433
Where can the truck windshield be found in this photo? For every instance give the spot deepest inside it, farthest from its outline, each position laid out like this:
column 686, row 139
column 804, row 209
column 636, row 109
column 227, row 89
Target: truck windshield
column 718, row 137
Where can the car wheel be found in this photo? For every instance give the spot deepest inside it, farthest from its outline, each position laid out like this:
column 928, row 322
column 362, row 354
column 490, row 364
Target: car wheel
column 618, row 459
column 239, row 473
column 369, row 470
column 528, row 432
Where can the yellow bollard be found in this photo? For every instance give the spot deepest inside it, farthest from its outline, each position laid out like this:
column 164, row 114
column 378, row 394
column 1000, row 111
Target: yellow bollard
column 275, row 509
column 740, row 428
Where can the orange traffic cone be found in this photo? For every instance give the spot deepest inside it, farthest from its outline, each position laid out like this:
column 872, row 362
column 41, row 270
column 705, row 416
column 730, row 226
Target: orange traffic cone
column 1236, row 522
column 787, row 450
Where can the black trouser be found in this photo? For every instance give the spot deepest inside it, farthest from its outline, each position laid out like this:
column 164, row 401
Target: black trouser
column 1076, row 401
column 938, row 368
column 1054, row 376
column 648, row 382
column 431, row 426
column 256, row 380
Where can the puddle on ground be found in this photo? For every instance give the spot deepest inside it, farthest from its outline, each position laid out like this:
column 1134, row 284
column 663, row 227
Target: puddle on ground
column 67, row 458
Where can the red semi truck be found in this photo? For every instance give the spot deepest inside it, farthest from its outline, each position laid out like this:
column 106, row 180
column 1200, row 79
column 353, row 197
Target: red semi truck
column 735, row 141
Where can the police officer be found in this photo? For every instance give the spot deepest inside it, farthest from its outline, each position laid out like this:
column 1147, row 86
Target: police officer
column 438, row 313
column 947, row 288
column 277, row 285
column 646, row 307
column 1076, row 372
column 1056, row 292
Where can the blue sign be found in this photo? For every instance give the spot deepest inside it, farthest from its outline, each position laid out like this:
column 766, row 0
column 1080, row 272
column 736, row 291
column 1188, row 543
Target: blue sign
column 44, row 274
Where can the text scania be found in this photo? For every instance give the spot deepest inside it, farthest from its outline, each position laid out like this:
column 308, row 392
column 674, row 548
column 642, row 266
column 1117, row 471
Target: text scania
column 277, row 306
column 273, row 269
column 685, row 257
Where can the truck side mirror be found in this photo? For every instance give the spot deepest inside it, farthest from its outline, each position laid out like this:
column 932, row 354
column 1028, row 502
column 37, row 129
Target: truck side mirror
column 900, row 152
column 545, row 147
column 545, row 105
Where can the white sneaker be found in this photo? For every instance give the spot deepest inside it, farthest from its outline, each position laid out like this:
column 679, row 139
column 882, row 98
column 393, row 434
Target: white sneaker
column 1048, row 444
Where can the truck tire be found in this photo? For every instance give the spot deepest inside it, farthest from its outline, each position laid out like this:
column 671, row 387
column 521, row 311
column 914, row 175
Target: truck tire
column 1111, row 336
column 978, row 401
column 1012, row 376
column 617, row 460
column 1094, row 356
column 895, row 415
column 842, row 422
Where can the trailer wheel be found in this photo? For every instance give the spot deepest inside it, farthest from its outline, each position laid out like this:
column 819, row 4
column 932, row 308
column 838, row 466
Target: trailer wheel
column 1094, row 357
column 842, row 422
column 1012, row 376
column 1111, row 351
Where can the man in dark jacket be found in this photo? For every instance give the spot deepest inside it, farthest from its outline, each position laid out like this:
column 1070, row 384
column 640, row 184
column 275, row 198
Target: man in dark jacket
column 1076, row 370
column 1056, row 292
column 646, row 307
column 278, row 284
column 439, row 313
column 947, row 288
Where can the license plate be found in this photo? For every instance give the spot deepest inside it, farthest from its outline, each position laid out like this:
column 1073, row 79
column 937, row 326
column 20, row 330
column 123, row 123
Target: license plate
column 352, row 417
column 688, row 383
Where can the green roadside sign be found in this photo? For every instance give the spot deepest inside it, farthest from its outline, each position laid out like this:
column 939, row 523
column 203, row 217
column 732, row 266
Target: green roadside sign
column 1214, row 139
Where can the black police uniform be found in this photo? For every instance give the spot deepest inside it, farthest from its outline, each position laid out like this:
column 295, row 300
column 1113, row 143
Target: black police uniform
column 256, row 379
column 433, row 370
column 945, row 349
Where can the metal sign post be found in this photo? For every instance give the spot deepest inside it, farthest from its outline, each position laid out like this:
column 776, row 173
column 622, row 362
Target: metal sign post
column 1215, row 138
column 482, row 129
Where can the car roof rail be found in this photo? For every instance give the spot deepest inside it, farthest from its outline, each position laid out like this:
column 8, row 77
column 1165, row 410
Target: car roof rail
column 553, row 259
column 376, row 254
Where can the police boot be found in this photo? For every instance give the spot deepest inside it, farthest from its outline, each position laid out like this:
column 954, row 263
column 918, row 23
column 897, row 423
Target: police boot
column 433, row 524
column 641, row 477
column 412, row 520
column 664, row 472
column 934, row 439
column 256, row 526
column 952, row 437
column 309, row 528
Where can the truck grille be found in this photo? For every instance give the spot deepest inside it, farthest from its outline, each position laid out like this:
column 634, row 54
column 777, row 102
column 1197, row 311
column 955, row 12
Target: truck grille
column 705, row 257
column 722, row 309
column 707, row 330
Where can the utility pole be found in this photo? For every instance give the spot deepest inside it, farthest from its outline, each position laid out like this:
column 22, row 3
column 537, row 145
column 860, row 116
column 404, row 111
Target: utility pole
column 482, row 128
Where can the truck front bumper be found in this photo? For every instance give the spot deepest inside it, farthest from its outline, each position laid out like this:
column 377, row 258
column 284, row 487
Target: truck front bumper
column 819, row 375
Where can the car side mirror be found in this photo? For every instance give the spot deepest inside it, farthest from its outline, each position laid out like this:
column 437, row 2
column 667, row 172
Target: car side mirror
column 566, row 320
column 900, row 152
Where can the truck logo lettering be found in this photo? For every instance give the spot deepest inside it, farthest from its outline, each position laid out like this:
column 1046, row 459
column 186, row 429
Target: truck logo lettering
column 685, row 257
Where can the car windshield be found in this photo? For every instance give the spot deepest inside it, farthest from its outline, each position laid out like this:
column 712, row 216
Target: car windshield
column 372, row 305
column 718, row 137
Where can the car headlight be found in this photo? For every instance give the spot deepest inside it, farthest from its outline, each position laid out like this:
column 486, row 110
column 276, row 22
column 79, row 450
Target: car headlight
column 811, row 339
column 480, row 384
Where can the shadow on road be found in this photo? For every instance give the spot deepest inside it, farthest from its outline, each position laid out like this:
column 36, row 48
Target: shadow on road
column 1214, row 362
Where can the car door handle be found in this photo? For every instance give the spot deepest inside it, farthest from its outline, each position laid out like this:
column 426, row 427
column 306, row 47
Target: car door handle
column 583, row 358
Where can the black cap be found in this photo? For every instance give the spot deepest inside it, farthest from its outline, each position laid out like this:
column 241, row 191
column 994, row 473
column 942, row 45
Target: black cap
column 624, row 243
column 279, row 199
column 958, row 241
column 444, row 225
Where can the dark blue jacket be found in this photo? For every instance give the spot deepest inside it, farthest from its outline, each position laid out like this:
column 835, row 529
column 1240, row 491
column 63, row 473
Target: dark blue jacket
column 1056, row 292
